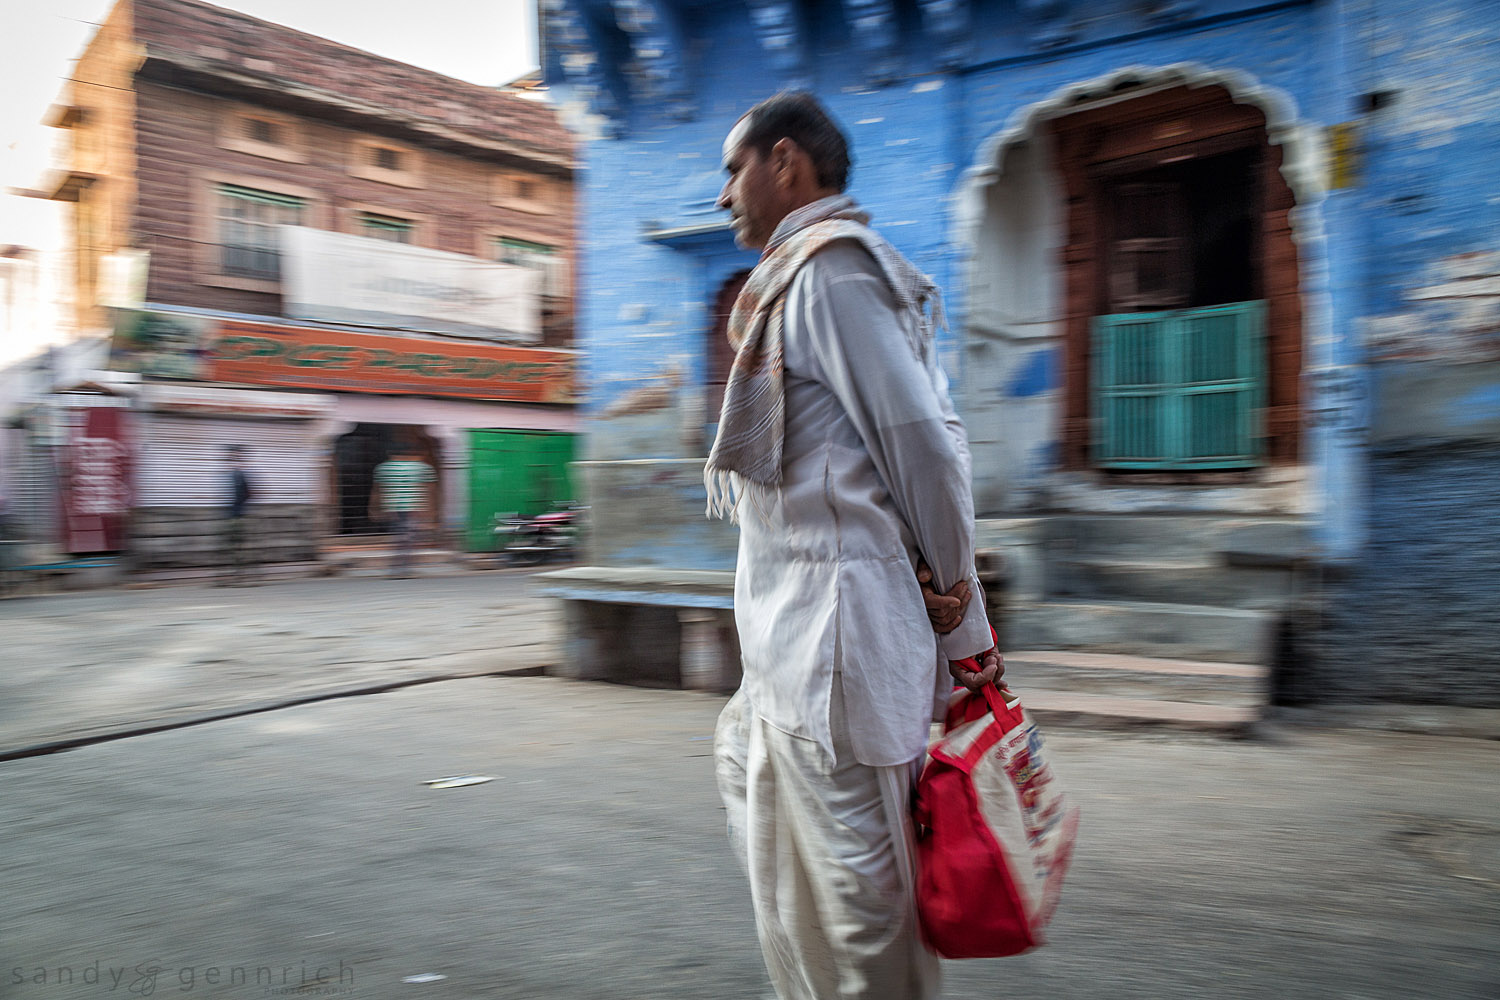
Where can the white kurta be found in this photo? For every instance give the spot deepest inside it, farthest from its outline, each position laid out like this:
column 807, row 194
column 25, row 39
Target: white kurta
column 875, row 472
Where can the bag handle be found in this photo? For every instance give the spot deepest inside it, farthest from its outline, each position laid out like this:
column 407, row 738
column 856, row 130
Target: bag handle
column 1001, row 708
column 971, row 663
column 1005, row 711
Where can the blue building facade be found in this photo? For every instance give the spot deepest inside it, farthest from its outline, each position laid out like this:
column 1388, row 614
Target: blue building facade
column 1308, row 182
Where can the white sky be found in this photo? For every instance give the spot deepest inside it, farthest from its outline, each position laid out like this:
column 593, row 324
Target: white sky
column 483, row 41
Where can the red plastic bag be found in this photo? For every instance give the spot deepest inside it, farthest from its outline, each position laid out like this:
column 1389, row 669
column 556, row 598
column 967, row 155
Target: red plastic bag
column 996, row 831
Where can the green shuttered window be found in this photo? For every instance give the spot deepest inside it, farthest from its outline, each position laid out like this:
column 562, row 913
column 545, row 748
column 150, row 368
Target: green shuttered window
column 249, row 240
column 1180, row 389
column 385, row 227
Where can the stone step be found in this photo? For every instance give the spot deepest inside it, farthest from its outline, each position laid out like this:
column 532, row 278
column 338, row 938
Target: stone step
column 1170, row 581
column 1180, row 631
column 1113, row 712
column 1069, row 671
column 677, row 588
column 347, row 560
column 1206, row 538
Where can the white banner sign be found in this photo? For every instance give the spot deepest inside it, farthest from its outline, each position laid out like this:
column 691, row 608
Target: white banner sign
column 338, row 278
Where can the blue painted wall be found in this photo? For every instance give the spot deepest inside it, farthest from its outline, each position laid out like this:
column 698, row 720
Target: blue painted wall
column 1415, row 618
column 643, row 305
column 1400, row 269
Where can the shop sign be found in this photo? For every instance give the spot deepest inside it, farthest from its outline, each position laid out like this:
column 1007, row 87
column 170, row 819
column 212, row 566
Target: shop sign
column 192, row 400
column 252, row 353
column 339, row 278
column 96, row 481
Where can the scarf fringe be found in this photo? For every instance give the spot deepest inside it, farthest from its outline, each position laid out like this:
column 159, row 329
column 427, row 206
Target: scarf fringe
column 724, row 492
column 727, row 493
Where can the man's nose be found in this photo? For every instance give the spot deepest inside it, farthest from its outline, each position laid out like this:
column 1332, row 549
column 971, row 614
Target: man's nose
column 724, row 200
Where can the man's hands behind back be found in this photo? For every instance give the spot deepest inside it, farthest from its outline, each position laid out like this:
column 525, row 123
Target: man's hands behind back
column 946, row 611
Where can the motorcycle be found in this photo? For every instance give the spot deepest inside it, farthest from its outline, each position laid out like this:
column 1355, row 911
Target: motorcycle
column 548, row 537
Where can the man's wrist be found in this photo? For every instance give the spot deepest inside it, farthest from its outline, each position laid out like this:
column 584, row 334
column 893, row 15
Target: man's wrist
column 972, row 637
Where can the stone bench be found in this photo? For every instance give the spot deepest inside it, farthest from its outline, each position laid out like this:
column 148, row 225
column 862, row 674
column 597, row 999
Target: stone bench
column 646, row 625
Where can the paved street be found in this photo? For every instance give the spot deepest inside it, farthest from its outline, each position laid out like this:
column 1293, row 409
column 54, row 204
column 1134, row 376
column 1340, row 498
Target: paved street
column 95, row 662
column 593, row 866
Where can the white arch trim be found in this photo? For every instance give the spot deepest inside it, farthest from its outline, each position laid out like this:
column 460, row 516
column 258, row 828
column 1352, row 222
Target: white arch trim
column 1303, row 158
column 1303, row 165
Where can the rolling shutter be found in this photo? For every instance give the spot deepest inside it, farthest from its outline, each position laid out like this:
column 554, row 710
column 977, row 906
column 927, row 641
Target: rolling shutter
column 182, row 461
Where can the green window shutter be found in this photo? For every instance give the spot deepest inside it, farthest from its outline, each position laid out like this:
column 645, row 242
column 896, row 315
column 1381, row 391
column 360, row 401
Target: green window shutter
column 238, row 193
column 1181, row 389
column 249, row 244
column 386, row 227
column 523, row 246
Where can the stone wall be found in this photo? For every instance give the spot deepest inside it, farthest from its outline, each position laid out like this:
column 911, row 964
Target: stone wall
column 187, row 537
column 1418, row 619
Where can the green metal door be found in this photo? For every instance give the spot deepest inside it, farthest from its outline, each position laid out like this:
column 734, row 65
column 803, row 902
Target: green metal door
column 515, row 472
column 1181, row 389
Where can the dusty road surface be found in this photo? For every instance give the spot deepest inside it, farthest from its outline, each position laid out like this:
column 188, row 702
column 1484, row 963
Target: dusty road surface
column 105, row 661
column 303, row 841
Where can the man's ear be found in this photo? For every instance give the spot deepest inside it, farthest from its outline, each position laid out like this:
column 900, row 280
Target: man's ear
column 785, row 158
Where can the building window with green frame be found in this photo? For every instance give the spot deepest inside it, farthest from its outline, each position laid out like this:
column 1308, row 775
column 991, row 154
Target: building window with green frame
column 248, row 224
column 523, row 253
column 539, row 257
column 386, row 227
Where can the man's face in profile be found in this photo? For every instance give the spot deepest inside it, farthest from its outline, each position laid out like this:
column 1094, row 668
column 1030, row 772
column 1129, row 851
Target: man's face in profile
column 750, row 192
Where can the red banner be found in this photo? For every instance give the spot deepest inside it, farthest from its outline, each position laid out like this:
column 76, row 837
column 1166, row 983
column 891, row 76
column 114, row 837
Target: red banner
column 96, row 481
column 306, row 358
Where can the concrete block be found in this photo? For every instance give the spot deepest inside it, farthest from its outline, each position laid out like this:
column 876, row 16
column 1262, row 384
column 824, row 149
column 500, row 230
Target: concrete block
column 628, row 644
column 1266, row 586
column 1221, row 635
column 651, row 513
column 1117, row 675
column 1266, row 543
column 710, row 654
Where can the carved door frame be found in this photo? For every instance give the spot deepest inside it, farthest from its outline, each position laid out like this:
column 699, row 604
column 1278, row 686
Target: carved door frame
column 1169, row 126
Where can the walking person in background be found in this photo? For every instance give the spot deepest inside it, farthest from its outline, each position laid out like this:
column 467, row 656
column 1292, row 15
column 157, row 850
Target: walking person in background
column 236, row 520
column 403, row 488
column 841, row 456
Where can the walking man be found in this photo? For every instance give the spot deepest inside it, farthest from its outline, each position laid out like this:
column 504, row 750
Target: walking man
column 236, row 515
column 841, row 456
column 403, row 486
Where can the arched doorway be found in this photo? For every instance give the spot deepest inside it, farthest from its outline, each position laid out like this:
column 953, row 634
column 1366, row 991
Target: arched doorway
column 1182, row 322
column 719, row 355
column 1150, row 193
column 355, row 457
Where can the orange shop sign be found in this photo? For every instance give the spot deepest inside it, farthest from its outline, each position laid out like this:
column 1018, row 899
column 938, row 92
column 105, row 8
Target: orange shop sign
column 270, row 354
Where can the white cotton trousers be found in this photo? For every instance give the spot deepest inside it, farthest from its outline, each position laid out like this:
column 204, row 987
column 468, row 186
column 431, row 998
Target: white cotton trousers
column 826, row 843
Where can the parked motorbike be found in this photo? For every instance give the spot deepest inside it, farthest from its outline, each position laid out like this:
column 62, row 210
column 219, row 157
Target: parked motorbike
column 532, row 541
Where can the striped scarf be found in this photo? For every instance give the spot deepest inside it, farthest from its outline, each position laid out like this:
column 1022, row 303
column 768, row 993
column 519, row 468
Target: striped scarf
column 752, row 423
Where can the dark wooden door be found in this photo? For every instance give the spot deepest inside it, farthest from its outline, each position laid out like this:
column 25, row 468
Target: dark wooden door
column 720, row 353
column 1149, row 265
